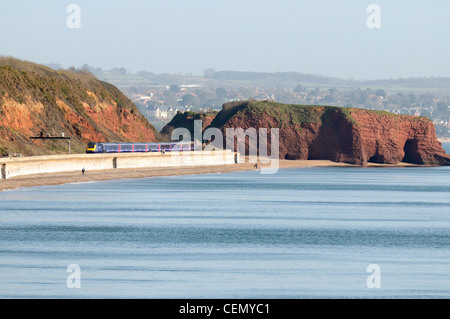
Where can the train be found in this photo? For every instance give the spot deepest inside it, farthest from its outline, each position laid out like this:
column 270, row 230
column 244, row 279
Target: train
column 96, row 147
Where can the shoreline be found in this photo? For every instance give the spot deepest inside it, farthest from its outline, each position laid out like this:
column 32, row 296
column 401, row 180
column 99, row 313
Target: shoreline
column 444, row 139
column 49, row 179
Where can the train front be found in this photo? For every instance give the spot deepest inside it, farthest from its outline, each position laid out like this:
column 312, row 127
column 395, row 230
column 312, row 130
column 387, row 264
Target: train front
column 92, row 148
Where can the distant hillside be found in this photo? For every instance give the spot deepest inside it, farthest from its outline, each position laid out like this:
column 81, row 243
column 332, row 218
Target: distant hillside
column 291, row 79
column 277, row 78
column 34, row 98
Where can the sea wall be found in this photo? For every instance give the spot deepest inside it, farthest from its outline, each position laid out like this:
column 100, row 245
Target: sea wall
column 10, row 167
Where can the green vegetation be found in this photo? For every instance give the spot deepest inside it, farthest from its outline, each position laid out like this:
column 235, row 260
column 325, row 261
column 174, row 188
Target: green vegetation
column 347, row 111
column 390, row 116
column 287, row 115
column 284, row 114
column 3, row 151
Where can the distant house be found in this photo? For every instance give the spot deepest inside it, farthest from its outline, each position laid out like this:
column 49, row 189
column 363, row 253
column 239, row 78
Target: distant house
column 158, row 113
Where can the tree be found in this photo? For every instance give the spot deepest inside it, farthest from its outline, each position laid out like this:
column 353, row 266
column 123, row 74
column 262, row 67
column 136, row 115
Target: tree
column 380, row 92
column 118, row 71
column 426, row 113
column 209, row 73
column 332, row 91
column 442, row 109
column 299, row 89
column 187, row 99
column 221, row 93
column 412, row 99
column 174, row 88
column 329, row 98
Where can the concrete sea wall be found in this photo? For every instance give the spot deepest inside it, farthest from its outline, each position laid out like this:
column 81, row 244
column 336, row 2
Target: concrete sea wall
column 11, row 167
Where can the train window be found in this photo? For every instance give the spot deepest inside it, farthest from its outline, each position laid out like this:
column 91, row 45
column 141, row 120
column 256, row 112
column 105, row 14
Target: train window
column 126, row 148
column 111, row 148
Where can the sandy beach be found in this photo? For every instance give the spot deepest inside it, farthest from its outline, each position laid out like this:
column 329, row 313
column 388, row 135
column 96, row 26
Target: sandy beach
column 117, row 174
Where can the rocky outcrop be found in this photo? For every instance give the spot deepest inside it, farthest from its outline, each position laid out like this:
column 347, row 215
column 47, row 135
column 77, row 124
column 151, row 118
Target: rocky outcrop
column 387, row 138
column 349, row 135
column 34, row 99
column 186, row 120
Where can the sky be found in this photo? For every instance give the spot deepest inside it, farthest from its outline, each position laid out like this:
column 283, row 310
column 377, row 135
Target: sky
column 339, row 38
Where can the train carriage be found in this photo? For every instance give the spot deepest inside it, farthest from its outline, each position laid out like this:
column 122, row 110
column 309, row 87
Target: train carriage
column 95, row 147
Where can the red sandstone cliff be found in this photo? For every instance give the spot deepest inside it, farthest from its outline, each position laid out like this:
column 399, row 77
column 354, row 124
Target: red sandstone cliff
column 348, row 135
column 34, row 99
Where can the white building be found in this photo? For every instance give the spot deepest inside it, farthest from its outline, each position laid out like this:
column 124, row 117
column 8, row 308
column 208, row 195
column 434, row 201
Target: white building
column 158, row 113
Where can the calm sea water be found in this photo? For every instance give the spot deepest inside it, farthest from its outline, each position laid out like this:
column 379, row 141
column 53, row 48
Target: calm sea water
column 301, row 233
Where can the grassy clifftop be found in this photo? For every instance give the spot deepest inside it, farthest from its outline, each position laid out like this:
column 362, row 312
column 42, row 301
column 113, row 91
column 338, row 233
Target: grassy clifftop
column 293, row 114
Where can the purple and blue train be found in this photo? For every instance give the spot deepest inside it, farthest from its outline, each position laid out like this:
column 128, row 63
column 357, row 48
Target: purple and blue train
column 139, row 147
